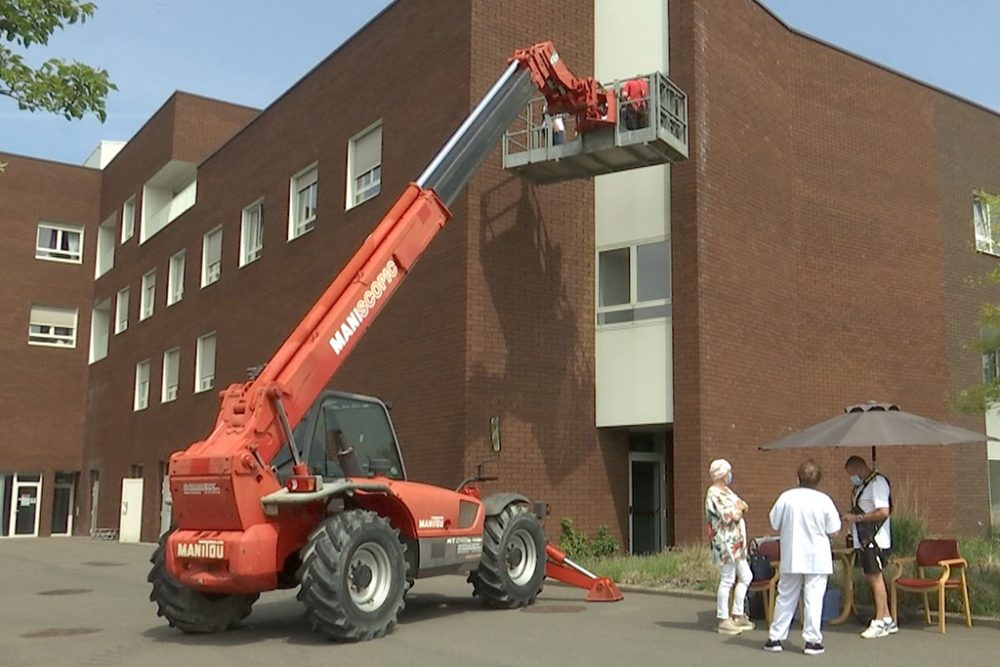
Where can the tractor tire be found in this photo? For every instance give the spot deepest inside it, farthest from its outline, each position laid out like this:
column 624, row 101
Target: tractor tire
column 353, row 576
column 189, row 610
column 512, row 568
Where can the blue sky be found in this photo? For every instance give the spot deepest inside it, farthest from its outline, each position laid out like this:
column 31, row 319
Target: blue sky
column 250, row 51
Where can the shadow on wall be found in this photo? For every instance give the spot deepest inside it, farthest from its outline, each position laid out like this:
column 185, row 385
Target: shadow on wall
column 538, row 371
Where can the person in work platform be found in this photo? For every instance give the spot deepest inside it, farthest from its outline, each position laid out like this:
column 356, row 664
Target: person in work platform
column 724, row 512
column 870, row 531
column 805, row 517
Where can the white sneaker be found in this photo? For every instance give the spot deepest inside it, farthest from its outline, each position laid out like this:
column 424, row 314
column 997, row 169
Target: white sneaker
column 875, row 630
column 890, row 625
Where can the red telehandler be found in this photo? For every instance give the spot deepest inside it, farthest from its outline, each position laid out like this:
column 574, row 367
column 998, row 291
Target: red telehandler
column 299, row 486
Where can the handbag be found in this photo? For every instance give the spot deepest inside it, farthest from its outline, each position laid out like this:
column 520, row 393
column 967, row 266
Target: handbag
column 760, row 565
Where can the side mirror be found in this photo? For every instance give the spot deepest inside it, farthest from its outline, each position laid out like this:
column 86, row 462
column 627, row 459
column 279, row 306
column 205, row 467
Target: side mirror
column 495, row 434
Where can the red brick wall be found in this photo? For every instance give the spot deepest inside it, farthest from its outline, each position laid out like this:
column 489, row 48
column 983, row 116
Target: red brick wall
column 418, row 86
column 44, row 388
column 530, row 300
column 808, row 260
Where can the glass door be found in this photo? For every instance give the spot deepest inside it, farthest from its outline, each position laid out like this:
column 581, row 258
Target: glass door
column 24, row 517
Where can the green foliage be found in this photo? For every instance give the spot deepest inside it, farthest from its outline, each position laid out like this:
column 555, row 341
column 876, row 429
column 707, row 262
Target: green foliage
column 907, row 531
column 578, row 546
column 69, row 88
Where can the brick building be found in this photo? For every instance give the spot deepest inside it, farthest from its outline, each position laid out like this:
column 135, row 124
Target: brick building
column 626, row 329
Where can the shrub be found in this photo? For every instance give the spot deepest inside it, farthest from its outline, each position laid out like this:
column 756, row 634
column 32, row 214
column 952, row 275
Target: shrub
column 578, row 546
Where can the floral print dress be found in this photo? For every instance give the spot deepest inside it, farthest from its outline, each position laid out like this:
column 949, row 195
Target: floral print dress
column 729, row 531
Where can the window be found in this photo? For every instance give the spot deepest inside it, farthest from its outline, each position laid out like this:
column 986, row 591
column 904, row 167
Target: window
column 105, row 247
column 175, row 279
column 986, row 220
column 100, row 327
column 302, row 211
column 364, row 166
column 204, row 365
column 171, row 366
column 128, row 220
column 141, row 401
column 121, row 311
column 148, row 296
column 633, row 283
column 55, row 327
column 60, row 243
column 252, row 233
column 211, row 257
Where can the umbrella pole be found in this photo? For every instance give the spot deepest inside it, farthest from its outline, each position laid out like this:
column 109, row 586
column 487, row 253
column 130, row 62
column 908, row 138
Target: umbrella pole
column 873, row 457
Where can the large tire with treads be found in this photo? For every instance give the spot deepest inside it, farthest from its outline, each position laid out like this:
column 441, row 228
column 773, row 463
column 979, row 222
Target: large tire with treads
column 353, row 576
column 512, row 568
column 189, row 610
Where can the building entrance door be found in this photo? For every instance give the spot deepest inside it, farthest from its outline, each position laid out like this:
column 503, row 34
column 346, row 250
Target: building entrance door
column 24, row 515
column 64, row 503
column 130, row 523
column 95, row 492
column 646, row 510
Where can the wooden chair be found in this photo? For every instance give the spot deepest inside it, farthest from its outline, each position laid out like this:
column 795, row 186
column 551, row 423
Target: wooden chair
column 933, row 554
column 769, row 587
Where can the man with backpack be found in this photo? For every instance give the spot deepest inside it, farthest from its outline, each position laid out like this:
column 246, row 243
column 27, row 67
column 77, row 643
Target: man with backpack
column 871, row 534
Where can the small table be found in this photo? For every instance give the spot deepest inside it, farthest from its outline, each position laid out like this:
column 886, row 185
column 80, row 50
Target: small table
column 846, row 558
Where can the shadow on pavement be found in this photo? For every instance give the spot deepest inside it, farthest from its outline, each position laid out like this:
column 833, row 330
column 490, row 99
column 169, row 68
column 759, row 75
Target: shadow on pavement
column 705, row 622
column 283, row 619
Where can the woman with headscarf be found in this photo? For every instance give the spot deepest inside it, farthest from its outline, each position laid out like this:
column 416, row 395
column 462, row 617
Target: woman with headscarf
column 724, row 512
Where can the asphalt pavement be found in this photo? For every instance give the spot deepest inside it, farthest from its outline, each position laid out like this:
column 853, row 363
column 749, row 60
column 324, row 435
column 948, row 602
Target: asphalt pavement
column 74, row 601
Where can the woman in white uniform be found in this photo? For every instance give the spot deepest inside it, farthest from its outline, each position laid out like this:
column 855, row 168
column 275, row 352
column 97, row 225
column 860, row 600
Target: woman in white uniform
column 805, row 518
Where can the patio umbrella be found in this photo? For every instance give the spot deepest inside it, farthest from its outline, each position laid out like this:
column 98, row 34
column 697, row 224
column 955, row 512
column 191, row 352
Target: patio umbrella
column 877, row 425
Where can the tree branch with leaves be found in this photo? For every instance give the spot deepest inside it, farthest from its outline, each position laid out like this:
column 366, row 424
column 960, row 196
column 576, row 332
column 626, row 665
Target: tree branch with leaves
column 59, row 86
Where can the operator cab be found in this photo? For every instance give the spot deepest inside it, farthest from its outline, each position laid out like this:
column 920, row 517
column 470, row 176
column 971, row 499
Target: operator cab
column 364, row 424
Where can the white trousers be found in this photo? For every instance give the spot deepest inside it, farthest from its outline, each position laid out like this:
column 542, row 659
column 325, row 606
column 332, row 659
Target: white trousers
column 730, row 573
column 812, row 587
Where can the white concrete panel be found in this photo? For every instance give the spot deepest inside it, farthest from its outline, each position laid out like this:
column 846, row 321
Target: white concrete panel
column 632, row 206
column 993, row 429
column 634, row 368
column 630, row 37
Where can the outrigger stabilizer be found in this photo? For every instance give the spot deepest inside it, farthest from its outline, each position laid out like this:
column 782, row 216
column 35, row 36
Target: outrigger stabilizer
column 561, row 568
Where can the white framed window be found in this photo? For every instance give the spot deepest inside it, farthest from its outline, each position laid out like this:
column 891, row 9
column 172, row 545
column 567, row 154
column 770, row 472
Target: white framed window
column 171, row 369
column 105, row 247
column 52, row 326
column 58, row 242
column 128, row 219
column 252, row 233
column 100, row 330
column 141, row 399
column 147, row 298
column 364, row 165
column 175, row 278
column 204, row 363
column 986, row 221
column 121, row 310
column 302, row 207
column 633, row 283
column 211, row 257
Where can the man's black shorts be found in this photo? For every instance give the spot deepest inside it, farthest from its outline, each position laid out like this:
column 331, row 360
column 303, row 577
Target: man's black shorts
column 872, row 559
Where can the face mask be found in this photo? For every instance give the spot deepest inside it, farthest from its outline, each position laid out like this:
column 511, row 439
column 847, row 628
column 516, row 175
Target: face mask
column 856, row 481
column 729, row 479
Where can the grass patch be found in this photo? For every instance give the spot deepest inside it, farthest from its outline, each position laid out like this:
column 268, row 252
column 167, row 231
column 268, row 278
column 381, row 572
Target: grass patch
column 684, row 568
